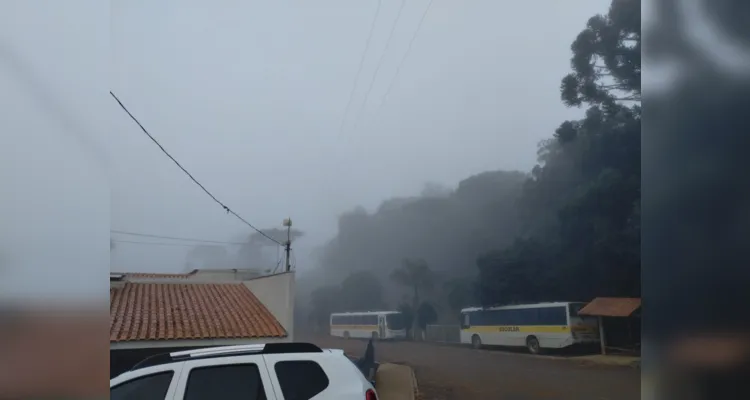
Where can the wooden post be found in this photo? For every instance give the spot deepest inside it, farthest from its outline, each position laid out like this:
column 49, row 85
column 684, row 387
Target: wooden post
column 602, row 339
column 630, row 332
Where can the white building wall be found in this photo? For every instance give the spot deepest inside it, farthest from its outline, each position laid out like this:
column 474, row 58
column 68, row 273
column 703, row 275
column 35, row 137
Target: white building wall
column 201, row 276
column 276, row 292
column 218, row 276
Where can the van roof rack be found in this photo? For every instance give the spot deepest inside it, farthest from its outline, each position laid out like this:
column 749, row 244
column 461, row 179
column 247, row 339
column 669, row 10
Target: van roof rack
column 224, row 351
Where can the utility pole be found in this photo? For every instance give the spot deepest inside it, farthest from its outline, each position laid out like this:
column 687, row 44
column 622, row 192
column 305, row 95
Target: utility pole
column 288, row 244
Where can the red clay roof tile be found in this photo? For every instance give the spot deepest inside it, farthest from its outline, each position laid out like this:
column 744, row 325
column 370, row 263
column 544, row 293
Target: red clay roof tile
column 611, row 307
column 174, row 311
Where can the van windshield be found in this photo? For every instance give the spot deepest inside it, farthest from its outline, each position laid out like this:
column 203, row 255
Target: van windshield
column 394, row 321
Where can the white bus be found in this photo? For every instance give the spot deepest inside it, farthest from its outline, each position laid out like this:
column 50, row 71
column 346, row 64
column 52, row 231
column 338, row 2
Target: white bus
column 370, row 324
column 535, row 326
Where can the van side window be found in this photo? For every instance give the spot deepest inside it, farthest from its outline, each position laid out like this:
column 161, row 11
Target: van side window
column 225, row 382
column 300, row 380
column 149, row 387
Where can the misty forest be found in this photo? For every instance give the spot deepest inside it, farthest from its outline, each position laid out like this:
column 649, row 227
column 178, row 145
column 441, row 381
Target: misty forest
column 568, row 230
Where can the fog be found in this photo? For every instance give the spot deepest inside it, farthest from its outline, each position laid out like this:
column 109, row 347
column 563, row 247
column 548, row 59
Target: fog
column 249, row 97
column 467, row 171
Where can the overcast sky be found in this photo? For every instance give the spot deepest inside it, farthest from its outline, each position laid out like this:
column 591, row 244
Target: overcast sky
column 249, row 96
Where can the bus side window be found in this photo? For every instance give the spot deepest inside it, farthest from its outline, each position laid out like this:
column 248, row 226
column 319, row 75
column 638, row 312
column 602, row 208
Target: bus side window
column 465, row 322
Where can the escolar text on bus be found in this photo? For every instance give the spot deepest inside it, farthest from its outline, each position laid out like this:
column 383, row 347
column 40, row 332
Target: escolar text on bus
column 508, row 329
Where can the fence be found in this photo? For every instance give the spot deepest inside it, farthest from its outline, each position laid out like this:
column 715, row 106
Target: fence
column 443, row 333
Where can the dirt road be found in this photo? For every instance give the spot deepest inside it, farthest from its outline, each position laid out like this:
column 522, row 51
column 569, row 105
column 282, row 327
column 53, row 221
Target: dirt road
column 446, row 372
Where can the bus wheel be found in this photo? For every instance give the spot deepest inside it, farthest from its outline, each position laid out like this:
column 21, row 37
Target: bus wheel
column 476, row 342
column 346, row 334
column 375, row 336
column 532, row 343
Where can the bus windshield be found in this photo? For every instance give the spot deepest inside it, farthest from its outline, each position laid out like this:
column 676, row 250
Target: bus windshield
column 574, row 308
column 394, row 321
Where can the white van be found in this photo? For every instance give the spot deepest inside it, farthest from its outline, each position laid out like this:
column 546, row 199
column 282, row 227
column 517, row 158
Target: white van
column 250, row 372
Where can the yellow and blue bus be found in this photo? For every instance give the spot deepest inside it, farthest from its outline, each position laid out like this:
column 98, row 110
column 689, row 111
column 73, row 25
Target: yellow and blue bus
column 369, row 324
column 534, row 326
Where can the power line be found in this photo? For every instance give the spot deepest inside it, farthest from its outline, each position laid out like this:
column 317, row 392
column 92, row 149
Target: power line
column 278, row 257
column 403, row 59
column 377, row 68
column 278, row 264
column 359, row 70
column 153, row 243
column 227, row 209
column 278, row 260
column 172, row 237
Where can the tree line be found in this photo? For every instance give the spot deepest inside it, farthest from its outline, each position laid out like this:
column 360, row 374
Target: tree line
column 567, row 230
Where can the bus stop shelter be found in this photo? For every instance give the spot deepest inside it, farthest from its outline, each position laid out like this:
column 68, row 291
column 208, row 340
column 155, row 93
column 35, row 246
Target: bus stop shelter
column 620, row 311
